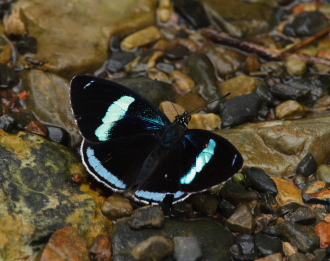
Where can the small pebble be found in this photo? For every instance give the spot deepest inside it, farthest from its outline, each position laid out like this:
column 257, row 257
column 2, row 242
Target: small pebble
column 154, row 74
column 119, row 60
column 165, row 10
column 38, row 128
column 175, row 52
column 7, row 123
column 58, row 134
column 27, row 44
column 289, row 249
column 245, row 243
column 252, row 63
column 13, row 23
column 307, row 166
column 322, row 229
column 226, row 208
column 182, row 81
column 290, row 110
column 154, row 248
column 267, row 245
column 323, row 173
column 165, row 67
column 241, row 220
column 5, row 51
column 268, row 203
column 183, row 209
column 287, row 192
column 147, row 217
column 168, row 108
column 260, row 181
column 101, row 249
column 302, row 215
column 209, row 121
column 298, row 257
column 116, row 206
column 205, row 203
column 316, row 192
column 236, row 193
column 296, row 66
column 187, row 249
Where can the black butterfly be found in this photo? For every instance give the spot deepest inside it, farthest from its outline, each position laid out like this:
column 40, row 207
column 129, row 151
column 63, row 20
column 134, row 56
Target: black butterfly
column 130, row 144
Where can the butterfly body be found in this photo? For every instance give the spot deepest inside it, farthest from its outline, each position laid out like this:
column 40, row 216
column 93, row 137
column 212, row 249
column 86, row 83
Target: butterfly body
column 130, row 144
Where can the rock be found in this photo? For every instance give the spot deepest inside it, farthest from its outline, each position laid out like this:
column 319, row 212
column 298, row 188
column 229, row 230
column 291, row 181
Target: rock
column 298, row 257
column 241, row 220
column 67, row 243
column 307, row 166
column 58, row 134
column 38, row 128
column 175, row 52
column 239, row 109
column 143, row 37
column 182, row 209
column 119, row 60
column 287, row 192
column 268, row 203
column 288, row 208
column 147, row 217
column 171, row 110
column 226, row 208
column 187, row 249
column 101, row 249
column 296, row 66
column 287, row 91
column 8, row 77
column 45, row 90
column 272, row 257
column 322, row 229
column 307, row 24
column 290, row 110
column 302, row 215
column 226, row 61
column 267, row 245
column 165, row 10
column 165, row 67
column 90, row 48
column 213, row 238
column 209, row 121
column 116, row 206
column 7, row 123
column 183, row 82
column 236, row 193
column 245, row 242
column 154, row 249
column 289, row 249
column 5, row 51
column 316, row 192
column 302, row 237
column 252, row 63
column 34, row 174
column 27, row 44
column 239, row 85
column 323, row 173
column 205, row 203
column 260, row 181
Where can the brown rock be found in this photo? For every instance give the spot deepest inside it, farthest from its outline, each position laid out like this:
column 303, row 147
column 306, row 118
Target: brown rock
column 322, row 229
column 101, row 250
column 142, row 37
column 241, row 220
column 290, row 110
column 170, row 112
column 116, row 206
column 252, row 63
column 287, row 192
column 209, row 121
column 38, row 128
column 182, row 81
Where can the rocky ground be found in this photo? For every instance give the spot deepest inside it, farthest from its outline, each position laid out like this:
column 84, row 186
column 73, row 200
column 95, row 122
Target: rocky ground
column 273, row 56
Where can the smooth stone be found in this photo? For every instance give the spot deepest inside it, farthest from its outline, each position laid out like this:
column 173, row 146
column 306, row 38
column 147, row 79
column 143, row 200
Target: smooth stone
column 187, row 249
column 5, row 51
column 268, row 203
column 239, row 85
column 214, row 239
column 165, row 67
column 38, row 197
column 209, row 121
column 323, row 173
column 205, row 203
column 45, row 90
column 260, row 181
column 298, row 257
column 66, row 242
column 302, row 237
column 252, row 64
column 267, row 245
column 296, row 66
column 290, row 110
column 236, row 194
column 287, row 192
column 302, row 215
column 300, row 181
column 116, row 206
column 183, row 82
column 226, row 208
column 288, row 208
column 154, row 249
column 176, row 52
column 147, row 217
column 289, row 249
column 58, row 134
column 7, row 122
column 171, row 110
column 154, row 74
column 322, row 229
column 38, row 128
column 165, row 10
column 241, row 220
column 101, row 250
column 307, row 166
column 183, row 209
column 13, row 23
column 89, row 49
column 316, row 192
column 226, row 60
column 272, row 257
column 287, row 91
column 118, row 60
column 239, row 109
column 246, row 243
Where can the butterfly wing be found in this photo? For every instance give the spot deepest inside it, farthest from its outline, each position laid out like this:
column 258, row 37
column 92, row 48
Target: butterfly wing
column 199, row 161
column 105, row 110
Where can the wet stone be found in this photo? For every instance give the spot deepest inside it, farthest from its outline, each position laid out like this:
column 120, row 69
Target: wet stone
column 316, row 192
column 260, row 181
column 38, row 128
column 7, row 123
column 101, row 249
column 252, row 63
column 8, row 78
column 193, row 12
column 175, row 52
column 118, row 60
column 239, row 109
column 289, row 91
column 116, row 206
column 268, row 203
column 323, row 173
column 165, row 67
column 290, row 110
column 245, row 243
column 307, row 166
column 296, row 67
column 205, row 203
column 182, row 209
column 58, row 134
column 302, row 215
column 187, row 249
column 154, row 248
column 182, row 81
column 272, row 257
column 298, row 257
column 165, row 10
column 241, row 220
column 209, row 121
column 300, row 181
column 288, row 208
column 322, row 229
column 5, row 50
column 236, row 193
column 147, row 217
column 267, row 245
column 27, row 44
column 307, row 24
column 226, row 208
column 287, row 192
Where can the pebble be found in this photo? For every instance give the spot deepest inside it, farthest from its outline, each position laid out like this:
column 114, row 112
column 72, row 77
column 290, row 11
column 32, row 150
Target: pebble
column 38, row 128
column 175, row 52
column 302, row 215
column 165, row 67
column 252, row 63
column 5, row 50
column 287, row 191
column 154, row 74
column 236, row 193
column 245, row 243
column 101, row 250
column 187, row 249
column 323, row 173
column 168, row 108
column 241, row 220
column 272, row 257
column 205, row 203
column 209, row 121
column 58, row 135
column 267, row 245
column 298, row 257
column 239, row 109
column 190, row 44
column 226, row 208
column 153, row 58
column 296, row 66
column 165, row 10
column 322, row 229
column 288, row 208
column 268, row 203
column 290, row 91
column 260, row 181
column 119, row 60
column 307, row 166
column 7, row 123
column 116, row 206
column 289, row 249
column 153, row 249
column 147, row 217
column 290, row 110
column 13, row 23
column 183, row 209
column 182, row 81
column 316, row 192
column 140, row 38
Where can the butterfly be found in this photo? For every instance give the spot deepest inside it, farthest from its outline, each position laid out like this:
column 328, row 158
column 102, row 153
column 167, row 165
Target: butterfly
column 129, row 143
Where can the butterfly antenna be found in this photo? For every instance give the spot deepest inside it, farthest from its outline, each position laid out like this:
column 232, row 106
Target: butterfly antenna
column 161, row 87
column 210, row 102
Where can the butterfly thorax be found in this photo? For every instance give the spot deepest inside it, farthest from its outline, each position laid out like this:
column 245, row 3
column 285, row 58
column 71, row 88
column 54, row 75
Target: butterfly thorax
column 175, row 130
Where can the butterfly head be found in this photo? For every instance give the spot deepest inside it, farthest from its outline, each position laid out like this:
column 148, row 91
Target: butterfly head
column 183, row 119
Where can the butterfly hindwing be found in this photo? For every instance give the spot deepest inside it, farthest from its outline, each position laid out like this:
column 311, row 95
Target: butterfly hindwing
column 106, row 110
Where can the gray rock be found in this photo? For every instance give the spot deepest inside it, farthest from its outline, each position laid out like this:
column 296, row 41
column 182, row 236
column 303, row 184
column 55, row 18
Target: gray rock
column 187, row 249
column 241, row 220
column 147, row 217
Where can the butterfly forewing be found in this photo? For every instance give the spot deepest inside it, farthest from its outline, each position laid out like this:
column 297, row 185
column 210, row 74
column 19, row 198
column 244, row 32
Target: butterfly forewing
column 106, row 110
